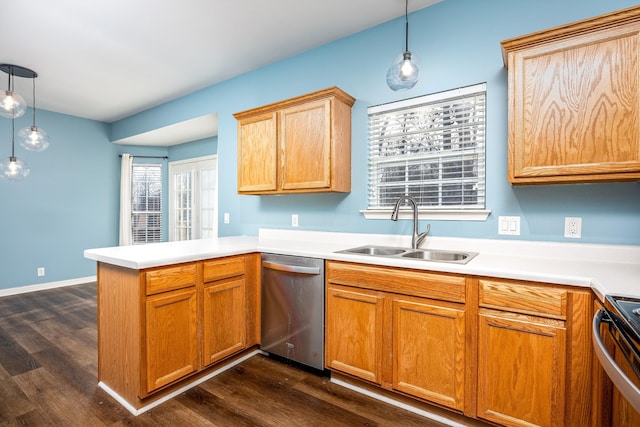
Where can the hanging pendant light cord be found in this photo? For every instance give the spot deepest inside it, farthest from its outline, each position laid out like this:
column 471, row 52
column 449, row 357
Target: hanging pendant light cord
column 406, row 26
column 13, row 139
column 34, row 102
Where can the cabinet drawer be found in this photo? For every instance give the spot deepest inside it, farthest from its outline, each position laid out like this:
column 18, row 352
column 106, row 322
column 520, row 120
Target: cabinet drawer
column 523, row 298
column 169, row 278
column 222, row 268
column 398, row 280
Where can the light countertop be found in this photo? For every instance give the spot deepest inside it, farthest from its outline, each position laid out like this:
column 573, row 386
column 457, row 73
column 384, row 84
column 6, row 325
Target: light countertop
column 607, row 269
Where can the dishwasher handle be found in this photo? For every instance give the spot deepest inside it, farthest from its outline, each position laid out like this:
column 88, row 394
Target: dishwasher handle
column 626, row 387
column 313, row 271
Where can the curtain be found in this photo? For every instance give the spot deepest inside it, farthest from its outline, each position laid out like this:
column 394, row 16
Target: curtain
column 126, row 237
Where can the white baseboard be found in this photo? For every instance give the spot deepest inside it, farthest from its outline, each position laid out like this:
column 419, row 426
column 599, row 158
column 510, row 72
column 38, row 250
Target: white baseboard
column 43, row 286
column 397, row 403
column 175, row 393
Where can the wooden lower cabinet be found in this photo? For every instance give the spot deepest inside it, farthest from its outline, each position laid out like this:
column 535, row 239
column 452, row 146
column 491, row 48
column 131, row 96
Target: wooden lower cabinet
column 224, row 320
column 354, row 327
column 521, row 369
column 171, row 337
column 429, row 350
column 413, row 345
column 160, row 326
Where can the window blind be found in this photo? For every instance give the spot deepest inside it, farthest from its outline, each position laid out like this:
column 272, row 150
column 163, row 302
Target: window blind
column 146, row 203
column 431, row 148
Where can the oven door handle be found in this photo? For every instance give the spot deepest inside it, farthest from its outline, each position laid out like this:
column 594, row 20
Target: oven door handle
column 619, row 379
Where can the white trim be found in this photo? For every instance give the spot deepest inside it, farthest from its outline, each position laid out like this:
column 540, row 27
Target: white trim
column 424, row 99
column 399, row 404
column 49, row 285
column 173, row 394
column 449, row 215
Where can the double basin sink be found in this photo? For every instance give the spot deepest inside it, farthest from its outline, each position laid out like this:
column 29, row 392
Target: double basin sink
column 417, row 254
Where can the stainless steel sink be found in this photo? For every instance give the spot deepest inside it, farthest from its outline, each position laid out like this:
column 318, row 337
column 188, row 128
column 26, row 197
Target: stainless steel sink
column 376, row 250
column 433, row 255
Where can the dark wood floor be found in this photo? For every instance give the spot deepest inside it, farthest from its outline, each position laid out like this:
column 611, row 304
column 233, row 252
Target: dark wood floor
column 48, row 377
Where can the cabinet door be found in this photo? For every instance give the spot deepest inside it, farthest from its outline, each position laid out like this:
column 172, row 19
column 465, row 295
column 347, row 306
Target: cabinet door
column 257, row 153
column 622, row 413
column 224, row 324
column 354, row 322
column 429, row 351
column 521, row 369
column 171, row 337
column 575, row 108
column 305, row 142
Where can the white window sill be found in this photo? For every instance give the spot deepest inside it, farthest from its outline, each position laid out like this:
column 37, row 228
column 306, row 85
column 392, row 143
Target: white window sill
column 453, row 215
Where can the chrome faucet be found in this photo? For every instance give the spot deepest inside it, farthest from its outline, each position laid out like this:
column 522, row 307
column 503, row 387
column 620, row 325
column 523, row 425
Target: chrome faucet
column 416, row 238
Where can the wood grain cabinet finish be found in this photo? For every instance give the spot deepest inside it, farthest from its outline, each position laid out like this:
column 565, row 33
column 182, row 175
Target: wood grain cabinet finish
column 574, row 101
column 160, row 326
column 402, row 342
column 534, row 354
column 300, row 145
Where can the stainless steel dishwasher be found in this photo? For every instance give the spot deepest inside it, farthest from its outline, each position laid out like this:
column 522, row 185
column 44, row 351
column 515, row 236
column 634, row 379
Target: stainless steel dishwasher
column 292, row 312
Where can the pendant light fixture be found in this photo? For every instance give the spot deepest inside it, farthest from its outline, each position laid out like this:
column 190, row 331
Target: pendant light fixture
column 13, row 168
column 32, row 137
column 404, row 72
column 12, row 106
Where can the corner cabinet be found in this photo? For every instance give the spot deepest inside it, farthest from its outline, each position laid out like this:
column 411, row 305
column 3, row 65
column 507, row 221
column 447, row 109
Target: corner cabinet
column 403, row 330
column 574, row 101
column 160, row 327
column 300, row 145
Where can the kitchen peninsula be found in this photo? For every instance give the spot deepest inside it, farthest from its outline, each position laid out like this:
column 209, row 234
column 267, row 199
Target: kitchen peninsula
column 154, row 296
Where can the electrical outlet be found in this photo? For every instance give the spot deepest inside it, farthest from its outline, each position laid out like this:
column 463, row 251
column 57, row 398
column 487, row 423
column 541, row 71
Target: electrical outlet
column 226, row 217
column 294, row 220
column 509, row 225
column 573, row 227
column 40, row 271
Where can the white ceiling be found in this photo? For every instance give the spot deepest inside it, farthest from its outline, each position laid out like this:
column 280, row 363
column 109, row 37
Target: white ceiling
column 109, row 59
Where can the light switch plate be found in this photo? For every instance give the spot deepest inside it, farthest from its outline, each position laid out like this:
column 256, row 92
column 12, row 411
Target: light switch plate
column 509, row 225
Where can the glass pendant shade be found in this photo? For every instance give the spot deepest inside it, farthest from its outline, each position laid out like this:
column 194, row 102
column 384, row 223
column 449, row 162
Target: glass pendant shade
column 13, row 169
column 33, row 138
column 404, row 72
column 12, row 105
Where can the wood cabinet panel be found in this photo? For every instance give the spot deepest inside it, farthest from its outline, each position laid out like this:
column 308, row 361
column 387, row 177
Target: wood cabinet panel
column 223, row 268
column 429, row 350
column 171, row 338
column 521, row 369
column 224, row 319
column 448, row 287
column 354, row 328
column 163, row 279
column 574, row 101
column 524, row 298
column 306, row 146
column 258, row 153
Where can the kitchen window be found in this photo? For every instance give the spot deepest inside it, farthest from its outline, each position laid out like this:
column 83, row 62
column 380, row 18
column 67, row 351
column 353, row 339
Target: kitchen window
column 431, row 148
column 146, row 203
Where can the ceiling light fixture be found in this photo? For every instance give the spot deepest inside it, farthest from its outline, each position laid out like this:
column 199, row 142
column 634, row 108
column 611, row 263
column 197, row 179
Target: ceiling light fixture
column 13, row 168
column 12, row 106
column 404, row 72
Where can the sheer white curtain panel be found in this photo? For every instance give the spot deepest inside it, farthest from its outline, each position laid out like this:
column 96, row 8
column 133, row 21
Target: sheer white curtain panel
column 126, row 236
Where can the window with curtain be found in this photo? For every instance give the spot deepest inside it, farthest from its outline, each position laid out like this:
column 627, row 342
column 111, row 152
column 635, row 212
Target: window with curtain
column 431, row 148
column 146, row 202
column 193, row 199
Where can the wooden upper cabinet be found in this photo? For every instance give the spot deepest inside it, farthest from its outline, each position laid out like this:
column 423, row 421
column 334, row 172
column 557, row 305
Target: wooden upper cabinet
column 574, row 101
column 300, row 145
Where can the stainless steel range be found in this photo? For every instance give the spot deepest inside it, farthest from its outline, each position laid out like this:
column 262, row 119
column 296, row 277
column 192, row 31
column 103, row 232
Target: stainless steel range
column 621, row 319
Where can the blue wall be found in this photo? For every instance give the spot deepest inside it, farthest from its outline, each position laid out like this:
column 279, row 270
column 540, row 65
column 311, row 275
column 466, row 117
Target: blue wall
column 75, row 182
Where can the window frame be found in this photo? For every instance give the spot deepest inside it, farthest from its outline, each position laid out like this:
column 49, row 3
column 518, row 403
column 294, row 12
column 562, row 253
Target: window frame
column 426, row 212
column 135, row 212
